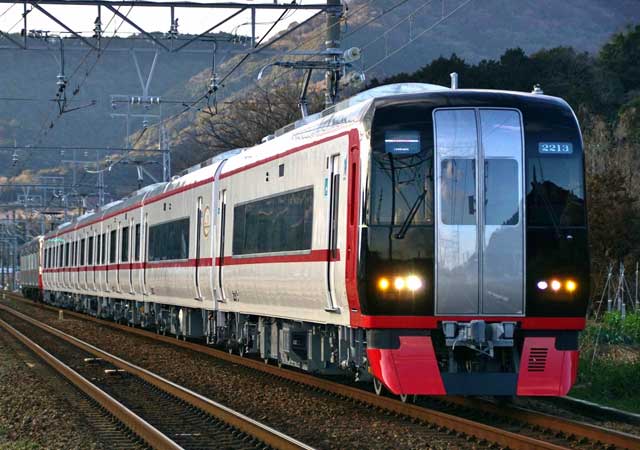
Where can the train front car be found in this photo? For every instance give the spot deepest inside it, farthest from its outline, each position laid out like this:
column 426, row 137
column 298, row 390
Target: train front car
column 474, row 262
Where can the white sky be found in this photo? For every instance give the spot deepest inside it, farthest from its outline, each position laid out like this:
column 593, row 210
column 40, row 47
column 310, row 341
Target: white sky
column 151, row 19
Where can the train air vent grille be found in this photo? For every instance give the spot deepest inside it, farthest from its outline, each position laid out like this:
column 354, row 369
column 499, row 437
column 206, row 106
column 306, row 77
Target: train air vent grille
column 537, row 359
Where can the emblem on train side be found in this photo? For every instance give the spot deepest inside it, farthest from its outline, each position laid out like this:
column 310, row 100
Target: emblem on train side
column 206, row 222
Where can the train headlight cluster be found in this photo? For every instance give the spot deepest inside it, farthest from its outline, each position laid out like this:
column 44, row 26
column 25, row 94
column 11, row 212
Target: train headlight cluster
column 411, row 283
column 557, row 285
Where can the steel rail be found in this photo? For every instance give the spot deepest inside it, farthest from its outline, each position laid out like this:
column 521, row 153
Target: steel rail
column 558, row 424
column 265, row 434
column 476, row 430
column 132, row 421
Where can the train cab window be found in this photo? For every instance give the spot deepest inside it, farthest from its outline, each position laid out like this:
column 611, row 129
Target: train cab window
column 500, row 198
column 402, row 167
column 124, row 249
column 83, row 243
column 555, row 195
column 169, row 240
column 281, row 223
column 113, row 240
column 136, row 248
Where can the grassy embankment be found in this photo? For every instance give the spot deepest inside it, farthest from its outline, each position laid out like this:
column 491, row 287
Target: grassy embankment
column 612, row 377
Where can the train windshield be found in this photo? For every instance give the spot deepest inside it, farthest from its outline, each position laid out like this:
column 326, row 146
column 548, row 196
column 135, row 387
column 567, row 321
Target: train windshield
column 402, row 168
column 554, row 171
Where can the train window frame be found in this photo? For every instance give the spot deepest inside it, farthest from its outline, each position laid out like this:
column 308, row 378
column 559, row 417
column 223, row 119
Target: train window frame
column 240, row 231
column 157, row 248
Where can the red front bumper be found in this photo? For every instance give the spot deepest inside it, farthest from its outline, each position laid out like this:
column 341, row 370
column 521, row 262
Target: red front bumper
column 412, row 368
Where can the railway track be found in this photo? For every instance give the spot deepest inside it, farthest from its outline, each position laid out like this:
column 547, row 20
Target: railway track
column 531, row 430
column 161, row 413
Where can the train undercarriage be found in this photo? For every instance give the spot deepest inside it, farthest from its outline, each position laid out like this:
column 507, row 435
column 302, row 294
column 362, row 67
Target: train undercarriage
column 315, row 348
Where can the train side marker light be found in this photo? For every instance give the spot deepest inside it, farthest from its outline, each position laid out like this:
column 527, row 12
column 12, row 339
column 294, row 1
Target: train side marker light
column 383, row 284
column 542, row 285
column 399, row 283
column 571, row 286
column 556, row 285
column 414, row 283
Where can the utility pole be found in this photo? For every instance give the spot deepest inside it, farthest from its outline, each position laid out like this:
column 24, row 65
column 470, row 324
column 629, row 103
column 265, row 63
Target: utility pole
column 332, row 76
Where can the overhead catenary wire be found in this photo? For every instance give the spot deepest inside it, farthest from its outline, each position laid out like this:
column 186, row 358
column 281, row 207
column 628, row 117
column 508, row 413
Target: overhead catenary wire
column 51, row 121
column 206, row 95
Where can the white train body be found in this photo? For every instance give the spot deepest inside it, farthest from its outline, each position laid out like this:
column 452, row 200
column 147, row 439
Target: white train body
column 189, row 279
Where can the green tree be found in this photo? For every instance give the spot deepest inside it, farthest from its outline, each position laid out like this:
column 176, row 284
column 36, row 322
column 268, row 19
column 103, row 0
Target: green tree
column 620, row 57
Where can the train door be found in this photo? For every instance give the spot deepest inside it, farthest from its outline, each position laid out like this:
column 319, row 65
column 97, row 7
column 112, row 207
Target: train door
column 333, row 182
column 198, row 247
column 479, row 192
column 222, row 227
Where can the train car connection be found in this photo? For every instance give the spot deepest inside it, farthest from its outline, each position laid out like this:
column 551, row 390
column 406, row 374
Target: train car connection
column 431, row 239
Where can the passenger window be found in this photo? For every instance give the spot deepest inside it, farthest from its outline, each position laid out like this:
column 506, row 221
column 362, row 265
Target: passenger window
column 169, row 240
column 281, row 223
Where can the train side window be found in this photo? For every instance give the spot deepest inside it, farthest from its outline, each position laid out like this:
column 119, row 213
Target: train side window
column 136, row 248
column 279, row 223
column 124, row 254
column 83, row 243
column 103, row 248
column 169, row 240
column 61, row 256
column 98, row 244
column 112, row 246
column 67, row 249
column 90, row 256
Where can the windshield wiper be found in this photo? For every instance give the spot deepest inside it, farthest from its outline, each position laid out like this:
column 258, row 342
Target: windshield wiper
column 412, row 213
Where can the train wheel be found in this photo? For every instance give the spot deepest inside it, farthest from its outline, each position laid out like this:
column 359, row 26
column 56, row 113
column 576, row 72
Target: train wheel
column 377, row 386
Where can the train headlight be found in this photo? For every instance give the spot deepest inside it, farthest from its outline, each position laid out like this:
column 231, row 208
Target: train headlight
column 414, row 283
column 571, row 286
column 399, row 283
column 556, row 285
column 542, row 285
column 383, row 284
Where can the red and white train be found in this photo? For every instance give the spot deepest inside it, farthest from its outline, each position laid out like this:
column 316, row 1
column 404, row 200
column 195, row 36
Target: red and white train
column 431, row 239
